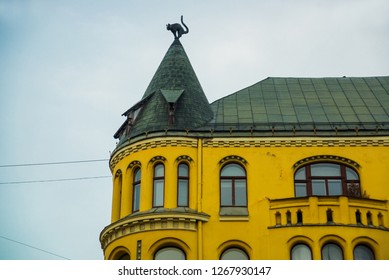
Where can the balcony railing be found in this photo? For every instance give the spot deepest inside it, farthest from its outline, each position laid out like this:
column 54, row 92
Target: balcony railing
column 329, row 210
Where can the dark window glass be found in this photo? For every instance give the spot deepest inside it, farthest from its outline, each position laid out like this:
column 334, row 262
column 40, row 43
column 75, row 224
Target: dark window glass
column 326, row 179
column 301, row 252
column 159, row 185
column 136, row 190
column 234, row 254
column 124, row 256
column 169, row 253
column 233, row 185
column 363, row 252
column 332, row 251
column 183, row 185
column 325, row 170
column 301, row 189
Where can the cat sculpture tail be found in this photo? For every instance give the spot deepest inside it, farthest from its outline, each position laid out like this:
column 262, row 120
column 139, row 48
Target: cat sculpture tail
column 186, row 27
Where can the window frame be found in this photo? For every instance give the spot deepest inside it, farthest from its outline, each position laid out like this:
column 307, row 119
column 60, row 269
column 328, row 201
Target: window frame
column 295, row 247
column 169, row 247
column 233, row 187
column 331, row 244
column 234, row 248
column 185, row 179
column 346, row 183
column 136, row 184
column 364, row 246
column 155, row 180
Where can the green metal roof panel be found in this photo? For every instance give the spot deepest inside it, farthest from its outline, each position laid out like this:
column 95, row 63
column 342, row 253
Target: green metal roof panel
column 320, row 102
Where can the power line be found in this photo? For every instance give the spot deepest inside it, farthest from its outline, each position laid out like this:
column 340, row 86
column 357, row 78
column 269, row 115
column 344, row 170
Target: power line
column 54, row 180
column 27, row 245
column 52, row 163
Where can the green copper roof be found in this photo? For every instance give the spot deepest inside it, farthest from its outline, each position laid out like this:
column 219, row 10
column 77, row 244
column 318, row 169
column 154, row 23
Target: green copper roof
column 287, row 104
column 174, row 99
column 174, row 104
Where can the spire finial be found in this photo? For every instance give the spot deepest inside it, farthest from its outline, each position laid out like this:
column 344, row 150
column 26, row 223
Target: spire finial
column 177, row 28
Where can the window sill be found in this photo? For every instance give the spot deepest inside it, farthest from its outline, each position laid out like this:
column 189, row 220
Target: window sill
column 233, row 214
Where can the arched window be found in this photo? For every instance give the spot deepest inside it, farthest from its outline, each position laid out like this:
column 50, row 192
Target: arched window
column 120, row 253
column 301, row 252
column 183, row 185
column 234, row 254
column 169, row 253
column 331, row 251
column 124, row 256
column 233, row 185
column 363, row 252
column 117, row 196
column 159, row 185
column 326, row 179
column 136, row 190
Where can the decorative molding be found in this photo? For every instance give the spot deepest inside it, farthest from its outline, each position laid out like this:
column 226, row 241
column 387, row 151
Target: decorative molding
column 146, row 145
column 150, row 222
column 134, row 163
column 325, row 158
column 157, row 158
column 248, row 143
column 233, row 158
column 252, row 143
column 184, row 158
column 118, row 173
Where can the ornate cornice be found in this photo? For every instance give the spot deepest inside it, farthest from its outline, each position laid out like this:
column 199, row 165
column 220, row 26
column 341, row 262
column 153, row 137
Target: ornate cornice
column 150, row 144
column 248, row 142
column 150, row 221
column 295, row 142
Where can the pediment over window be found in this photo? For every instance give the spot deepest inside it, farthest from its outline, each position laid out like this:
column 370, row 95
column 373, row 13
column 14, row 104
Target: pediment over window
column 172, row 95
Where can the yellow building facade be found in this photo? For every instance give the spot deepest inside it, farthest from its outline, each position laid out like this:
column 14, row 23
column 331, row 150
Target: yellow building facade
column 289, row 168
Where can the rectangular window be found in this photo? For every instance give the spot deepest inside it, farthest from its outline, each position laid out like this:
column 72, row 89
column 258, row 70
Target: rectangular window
column 183, row 192
column 226, row 192
column 318, row 187
column 301, row 189
column 240, row 192
column 335, row 187
column 136, row 198
column 158, row 193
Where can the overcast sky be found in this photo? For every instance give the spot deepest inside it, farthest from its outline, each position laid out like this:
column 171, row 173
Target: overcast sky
column 69, row 69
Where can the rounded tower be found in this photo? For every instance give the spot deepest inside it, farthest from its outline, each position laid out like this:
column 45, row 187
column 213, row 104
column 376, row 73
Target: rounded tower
column 156, row 208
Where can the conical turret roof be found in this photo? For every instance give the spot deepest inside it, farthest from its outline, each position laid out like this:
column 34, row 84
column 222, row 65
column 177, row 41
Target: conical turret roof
column 174, row 99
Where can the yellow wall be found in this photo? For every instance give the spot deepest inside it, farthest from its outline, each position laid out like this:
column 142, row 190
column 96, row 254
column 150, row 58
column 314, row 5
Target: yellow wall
column 269, row 164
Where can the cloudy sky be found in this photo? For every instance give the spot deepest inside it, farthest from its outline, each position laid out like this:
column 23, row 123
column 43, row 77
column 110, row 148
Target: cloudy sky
column 69, row 69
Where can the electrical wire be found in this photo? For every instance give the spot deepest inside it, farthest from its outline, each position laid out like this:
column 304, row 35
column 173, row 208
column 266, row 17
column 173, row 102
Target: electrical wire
column 33, row 247
column 52, row 163
column 54, row 180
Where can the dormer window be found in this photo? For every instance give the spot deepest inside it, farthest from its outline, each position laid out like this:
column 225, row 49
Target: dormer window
column 171, row 96
column 131, row 115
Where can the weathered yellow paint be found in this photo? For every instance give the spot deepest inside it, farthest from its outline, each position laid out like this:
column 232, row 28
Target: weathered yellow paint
column 269, row 165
